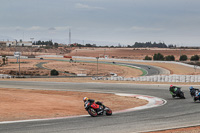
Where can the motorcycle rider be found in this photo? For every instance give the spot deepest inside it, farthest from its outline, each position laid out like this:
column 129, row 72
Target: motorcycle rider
column 89, row 102
column 197, row 97
column 193, row 91
column 174, row 90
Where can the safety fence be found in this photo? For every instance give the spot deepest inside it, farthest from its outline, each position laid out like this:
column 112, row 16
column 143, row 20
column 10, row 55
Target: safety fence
column 155, row 78
column 5, row 76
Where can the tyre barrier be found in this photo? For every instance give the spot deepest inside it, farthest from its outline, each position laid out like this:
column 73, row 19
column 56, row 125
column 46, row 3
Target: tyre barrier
column 155, row 78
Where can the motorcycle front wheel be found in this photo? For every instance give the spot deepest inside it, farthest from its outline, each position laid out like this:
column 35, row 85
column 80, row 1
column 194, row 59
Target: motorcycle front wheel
column 92, row 112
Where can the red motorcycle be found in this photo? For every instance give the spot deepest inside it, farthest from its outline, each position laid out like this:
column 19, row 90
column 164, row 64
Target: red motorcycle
column 97, row 108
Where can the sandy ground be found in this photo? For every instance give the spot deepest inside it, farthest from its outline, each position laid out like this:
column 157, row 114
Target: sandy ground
column 181, row 130
column 18, row 104
column 28, row 67
column 132, row 53
column 126, row 53
column 91, row 69
column 175, row 68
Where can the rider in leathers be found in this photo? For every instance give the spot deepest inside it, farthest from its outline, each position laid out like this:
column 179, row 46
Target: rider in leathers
column 193, row 91
column 89, row 102
column 174, row 90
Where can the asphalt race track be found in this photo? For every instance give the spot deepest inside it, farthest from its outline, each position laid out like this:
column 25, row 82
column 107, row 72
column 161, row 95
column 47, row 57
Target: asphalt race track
column 176, row 113
column 151, row 70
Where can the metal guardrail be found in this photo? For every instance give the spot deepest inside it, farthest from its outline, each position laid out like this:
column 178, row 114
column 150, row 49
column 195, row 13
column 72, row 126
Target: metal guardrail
column 155, row 78
column 5, row 76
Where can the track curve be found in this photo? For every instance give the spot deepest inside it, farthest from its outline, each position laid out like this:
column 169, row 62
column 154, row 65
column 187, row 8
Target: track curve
column 176, row 113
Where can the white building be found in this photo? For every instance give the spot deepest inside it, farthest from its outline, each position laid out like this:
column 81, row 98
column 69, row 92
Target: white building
column 24, row 44
column 20, row 43
column 10, row 43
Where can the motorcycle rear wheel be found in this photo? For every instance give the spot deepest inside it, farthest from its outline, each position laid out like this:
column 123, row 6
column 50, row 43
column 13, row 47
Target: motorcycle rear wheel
column 108, row 111
column 182, row 95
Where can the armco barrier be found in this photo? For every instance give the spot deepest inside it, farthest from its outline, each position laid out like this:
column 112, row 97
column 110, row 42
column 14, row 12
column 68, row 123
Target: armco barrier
column 155, row 78
column 4, row 76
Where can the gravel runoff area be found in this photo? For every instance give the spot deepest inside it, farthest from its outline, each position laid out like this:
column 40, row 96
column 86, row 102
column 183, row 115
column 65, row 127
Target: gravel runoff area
column 23, row 104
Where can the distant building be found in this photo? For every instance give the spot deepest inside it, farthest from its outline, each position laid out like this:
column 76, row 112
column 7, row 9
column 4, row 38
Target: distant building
column 10, row 43
column 24, row 43
column 2, row 44
column 16, row 43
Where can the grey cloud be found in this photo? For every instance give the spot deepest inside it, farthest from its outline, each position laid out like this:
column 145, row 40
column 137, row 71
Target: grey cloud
column 52, row 28
column 87, row 7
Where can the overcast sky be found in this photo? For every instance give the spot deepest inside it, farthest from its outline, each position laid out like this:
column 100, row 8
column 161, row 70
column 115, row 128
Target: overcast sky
column 104, row 22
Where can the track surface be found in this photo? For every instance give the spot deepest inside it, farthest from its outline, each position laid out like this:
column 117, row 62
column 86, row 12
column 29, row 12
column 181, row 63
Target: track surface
column 176, row 113
column 150, row 70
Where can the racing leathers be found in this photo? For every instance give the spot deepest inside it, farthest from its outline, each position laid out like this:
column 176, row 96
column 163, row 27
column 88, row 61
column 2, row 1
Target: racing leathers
column 174, row 90
column 89, row 102
column 194, row 92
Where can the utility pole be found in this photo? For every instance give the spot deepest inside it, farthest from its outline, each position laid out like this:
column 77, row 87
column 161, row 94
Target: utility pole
column 97, row 64
column 69, row 36
column 104, row 52
column 19, row 65
column 32, row 44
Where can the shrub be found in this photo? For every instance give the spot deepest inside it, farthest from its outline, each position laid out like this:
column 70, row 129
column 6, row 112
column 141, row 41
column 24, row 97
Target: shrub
column 170, row 58
column 147, row 58
column 54, row 72
column 158, row 56
column 183, row 58
column 194, row 58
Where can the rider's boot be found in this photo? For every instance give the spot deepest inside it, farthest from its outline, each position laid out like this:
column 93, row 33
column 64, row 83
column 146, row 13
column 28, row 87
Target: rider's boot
column 195, row 98
column 99, row 110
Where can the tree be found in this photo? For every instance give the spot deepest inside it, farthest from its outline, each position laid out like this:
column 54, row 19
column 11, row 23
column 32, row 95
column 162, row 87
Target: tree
column 56, row 45
column 54, row 72
column 88, row 45
column 147, row 58
column 183, row 58
column 194, row 58
column 4, row 59
column 158, row 56
column 170, row 58
column 149, row 44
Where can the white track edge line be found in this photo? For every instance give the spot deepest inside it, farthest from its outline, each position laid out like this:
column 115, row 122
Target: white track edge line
column 150, row 99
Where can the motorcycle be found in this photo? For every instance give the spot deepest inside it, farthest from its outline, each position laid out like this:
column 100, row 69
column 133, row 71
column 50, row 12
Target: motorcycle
column 177, row 93
column 196, row 98
column 194, row 92
column 97, row 108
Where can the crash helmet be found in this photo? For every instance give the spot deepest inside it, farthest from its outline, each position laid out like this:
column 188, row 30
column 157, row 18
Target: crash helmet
column 191, row 88
column 85, row 99
column 171, row 85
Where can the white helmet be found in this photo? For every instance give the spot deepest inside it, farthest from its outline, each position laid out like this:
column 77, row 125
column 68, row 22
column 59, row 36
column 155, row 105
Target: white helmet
column 85, row 99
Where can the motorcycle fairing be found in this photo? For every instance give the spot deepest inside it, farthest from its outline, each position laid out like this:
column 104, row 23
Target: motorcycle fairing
column 95, row 106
